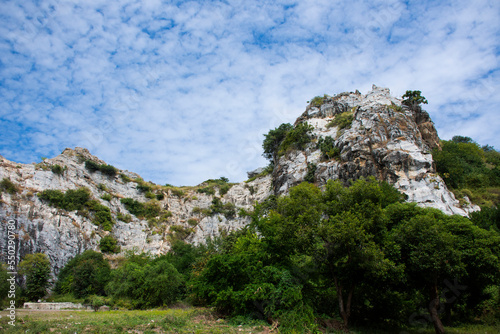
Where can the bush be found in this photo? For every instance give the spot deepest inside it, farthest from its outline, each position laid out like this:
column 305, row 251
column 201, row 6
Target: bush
column 8, row 186
column 228, row 209
column 146, row 210
column 297, row 138
column 311, row 170
column 108, row 170
column 69, row 201
column 93, row 166
column 317, row 101
column 124, row 218
column 328, row 149
column 107, row 197
column 180, row 232
column 134, row 207
column 143, row 187
column 342, row 121
column 108, row 244
column 79, row 200
column 159, row 281
column 57, row 169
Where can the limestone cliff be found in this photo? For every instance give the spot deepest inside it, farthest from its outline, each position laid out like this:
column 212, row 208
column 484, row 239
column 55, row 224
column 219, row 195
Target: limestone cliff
column 62, row 234
column 384, row 139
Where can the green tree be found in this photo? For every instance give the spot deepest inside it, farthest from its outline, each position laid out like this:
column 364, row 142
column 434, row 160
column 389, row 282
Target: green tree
column 147, row 283
column 413, row 99
column 4, row 284
column 86, row 274
column 437, row 249
column 273, row 140
column 36, row 268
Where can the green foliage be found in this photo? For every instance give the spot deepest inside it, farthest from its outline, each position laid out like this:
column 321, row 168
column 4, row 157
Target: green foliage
column 217, row 207
column 95, row 302
column 124, row 217
column 463, row 164
column 149, row 195
column 342, row 121
column 4, row 284
column 109, row 244
column 36, row 268
column 413, row 99
column 328, row 149
column 93, row 166
column 395, row 107
column 297, row 138
column 487, row 218
column 211, row 184
column 125, row 178
column 69, row 201
column 317, row 101
column 107, row 197
column 273, row 140
column 102, row 214
column 86, row 274
column 147, row 283
column 180, row 232
column 8, row 186
column 143, row 187
column 150, row 209
column 57, row 169
column 311, row 170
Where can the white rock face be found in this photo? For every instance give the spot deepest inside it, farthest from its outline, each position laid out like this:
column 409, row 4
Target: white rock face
column 386, row 140
column 61, row 235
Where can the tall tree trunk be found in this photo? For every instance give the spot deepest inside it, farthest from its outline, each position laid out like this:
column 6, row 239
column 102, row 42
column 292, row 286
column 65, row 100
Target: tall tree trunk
column 433, row 308
column 345, row 311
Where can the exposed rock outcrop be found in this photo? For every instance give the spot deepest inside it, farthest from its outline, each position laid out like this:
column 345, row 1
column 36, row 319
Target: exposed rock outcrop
column 386, row 140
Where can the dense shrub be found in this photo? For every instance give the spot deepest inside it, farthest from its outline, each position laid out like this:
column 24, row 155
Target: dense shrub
column 217, row 207
column 79, row 199
column 57, row 169
column 342, row 121
column 159, row 283
column 297, row 138
column 150, row 209
column 86, row 274
column 108, row 244
column 327, row 147
column 8, row 186
column 93, row 166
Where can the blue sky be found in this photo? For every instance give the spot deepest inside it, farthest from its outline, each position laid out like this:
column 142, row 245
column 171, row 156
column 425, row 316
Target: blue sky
column 183, row 91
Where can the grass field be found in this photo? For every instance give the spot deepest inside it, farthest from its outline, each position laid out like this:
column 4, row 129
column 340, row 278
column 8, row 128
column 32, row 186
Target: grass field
column 190, row 320
column 179, row 320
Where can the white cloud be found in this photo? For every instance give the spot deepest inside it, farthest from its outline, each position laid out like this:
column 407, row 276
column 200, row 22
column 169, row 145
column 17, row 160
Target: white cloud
column 185, row 93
